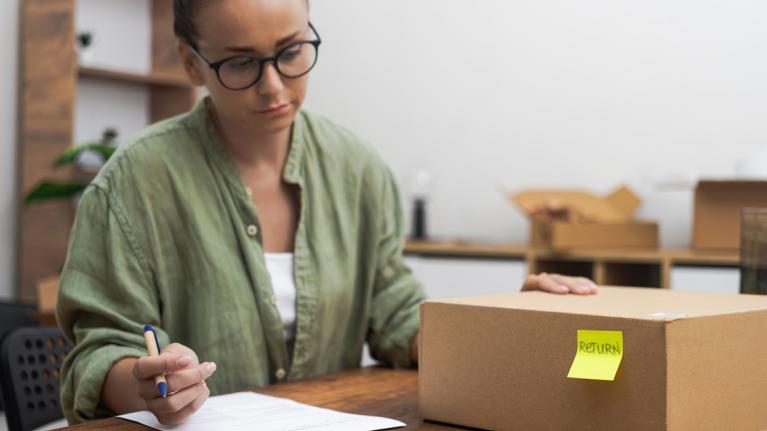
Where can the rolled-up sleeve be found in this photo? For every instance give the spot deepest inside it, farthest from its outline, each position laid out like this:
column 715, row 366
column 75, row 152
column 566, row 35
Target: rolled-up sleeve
column 105, row 297
column 396, row 294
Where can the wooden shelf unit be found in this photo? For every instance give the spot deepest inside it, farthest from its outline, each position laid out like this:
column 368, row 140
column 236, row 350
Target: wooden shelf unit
column 48, row 79
column 621, row 267
column 159, row 79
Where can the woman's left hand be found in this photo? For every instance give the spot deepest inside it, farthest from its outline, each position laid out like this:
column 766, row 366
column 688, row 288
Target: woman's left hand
column 561, row 284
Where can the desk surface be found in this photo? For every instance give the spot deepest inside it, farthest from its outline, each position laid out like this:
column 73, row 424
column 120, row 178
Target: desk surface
column 370, row 391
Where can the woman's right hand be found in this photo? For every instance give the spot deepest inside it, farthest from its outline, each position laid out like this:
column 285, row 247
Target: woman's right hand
column 187, row 391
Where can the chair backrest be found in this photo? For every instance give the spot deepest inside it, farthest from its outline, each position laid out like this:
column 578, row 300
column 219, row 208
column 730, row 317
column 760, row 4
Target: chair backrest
column 753, row 251
column 30, row 362
column 15, row 315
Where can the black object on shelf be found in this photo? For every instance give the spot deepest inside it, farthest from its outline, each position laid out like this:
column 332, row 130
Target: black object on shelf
column 419, row 219
column 84, row 39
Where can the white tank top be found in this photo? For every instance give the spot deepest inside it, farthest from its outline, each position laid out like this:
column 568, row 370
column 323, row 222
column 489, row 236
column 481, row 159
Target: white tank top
column 280, row 267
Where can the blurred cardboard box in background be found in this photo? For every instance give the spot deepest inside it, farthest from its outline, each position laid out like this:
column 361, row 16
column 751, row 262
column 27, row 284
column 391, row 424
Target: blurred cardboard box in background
column 578, row 219
column 47, row 291
column 717, row 212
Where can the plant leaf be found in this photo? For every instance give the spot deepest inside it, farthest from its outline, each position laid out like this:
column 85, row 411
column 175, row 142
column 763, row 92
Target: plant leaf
column 71, row 154
column 54, row 190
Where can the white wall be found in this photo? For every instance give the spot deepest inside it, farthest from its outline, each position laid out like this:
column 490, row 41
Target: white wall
column 520, row 93
column 516, row 93
column 103, row 103
column 123, row 43
column 451, row 277
column 8, row 64
column 711, row 279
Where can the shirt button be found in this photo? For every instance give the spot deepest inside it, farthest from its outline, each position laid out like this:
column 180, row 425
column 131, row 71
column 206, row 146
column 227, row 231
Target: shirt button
column 249, row 191
column 280, row 374
column 274, row 299
column 252, row 230
column 388, row 271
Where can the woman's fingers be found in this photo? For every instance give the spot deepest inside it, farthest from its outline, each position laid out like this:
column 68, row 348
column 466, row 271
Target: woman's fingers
column 183, row 379
column 593, row 288
column 555, row 283
column 188, row 410
column 176, row 402
column 177, row 381
column 181, row 350
column 578, row 285
column 149, row 366
column 545, row 283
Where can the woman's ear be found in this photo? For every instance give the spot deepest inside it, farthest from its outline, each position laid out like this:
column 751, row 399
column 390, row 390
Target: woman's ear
column 190, row 62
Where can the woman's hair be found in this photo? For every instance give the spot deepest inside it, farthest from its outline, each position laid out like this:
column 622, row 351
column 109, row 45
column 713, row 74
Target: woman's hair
column 184, row 12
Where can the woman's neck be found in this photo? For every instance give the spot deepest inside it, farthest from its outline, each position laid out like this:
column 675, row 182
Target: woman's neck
column 251, row 151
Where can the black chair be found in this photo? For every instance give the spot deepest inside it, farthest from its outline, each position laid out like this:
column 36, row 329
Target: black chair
column 30, row 361
column 15, row 315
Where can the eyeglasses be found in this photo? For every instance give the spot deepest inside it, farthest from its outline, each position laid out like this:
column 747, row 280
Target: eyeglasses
column 244, row 71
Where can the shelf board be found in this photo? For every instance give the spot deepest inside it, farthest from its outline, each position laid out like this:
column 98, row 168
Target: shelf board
column 466, row 249
column 154, row 78
column 705, row 257
column 515, row 251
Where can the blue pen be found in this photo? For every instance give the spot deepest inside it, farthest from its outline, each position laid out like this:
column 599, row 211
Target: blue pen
column 153, row 346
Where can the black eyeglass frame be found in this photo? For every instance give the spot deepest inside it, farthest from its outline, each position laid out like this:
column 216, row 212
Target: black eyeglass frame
column 263, row 61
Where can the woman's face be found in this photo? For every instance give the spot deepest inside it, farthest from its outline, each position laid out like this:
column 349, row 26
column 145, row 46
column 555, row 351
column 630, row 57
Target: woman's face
column 258, row 28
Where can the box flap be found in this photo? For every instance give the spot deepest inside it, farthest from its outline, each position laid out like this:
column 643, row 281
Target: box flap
column 623, row 302
column 625, row 201
column 589, row 207
column 618, row 207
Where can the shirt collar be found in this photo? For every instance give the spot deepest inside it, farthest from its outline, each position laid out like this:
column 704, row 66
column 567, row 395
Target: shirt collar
column 201, row 120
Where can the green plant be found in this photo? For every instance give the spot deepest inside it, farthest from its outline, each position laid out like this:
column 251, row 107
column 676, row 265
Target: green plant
column 47, row 189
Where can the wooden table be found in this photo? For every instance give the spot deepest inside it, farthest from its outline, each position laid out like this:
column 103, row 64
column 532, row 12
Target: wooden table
column 369, row 391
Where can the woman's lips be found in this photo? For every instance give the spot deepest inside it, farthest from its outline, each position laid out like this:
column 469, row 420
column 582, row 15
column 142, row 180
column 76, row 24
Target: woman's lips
column 276, row 110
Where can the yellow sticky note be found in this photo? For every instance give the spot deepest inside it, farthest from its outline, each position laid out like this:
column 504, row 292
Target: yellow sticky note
column 598, row 355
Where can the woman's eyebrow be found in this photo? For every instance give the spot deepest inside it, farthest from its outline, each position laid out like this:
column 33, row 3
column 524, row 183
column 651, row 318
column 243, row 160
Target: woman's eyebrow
column 249, row 49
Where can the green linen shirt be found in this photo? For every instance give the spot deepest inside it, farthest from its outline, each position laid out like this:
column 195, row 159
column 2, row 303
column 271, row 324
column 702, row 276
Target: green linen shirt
column 168, row 235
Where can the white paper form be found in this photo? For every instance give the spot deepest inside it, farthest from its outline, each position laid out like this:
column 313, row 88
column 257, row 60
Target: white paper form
column 249, row 411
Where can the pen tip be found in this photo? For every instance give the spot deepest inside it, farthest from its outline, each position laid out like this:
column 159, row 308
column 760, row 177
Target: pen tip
column 147, row 328
column 163, row 389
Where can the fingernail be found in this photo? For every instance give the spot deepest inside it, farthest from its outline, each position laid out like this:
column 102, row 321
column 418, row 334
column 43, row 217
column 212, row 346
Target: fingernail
column 183, row 361
column 211, row 368
column 563, row 289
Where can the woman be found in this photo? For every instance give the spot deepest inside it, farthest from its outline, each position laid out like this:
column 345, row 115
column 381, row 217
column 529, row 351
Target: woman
column 254, row 236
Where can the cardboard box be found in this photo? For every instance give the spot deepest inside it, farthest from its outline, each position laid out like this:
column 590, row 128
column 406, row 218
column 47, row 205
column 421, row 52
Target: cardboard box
column 716, row 219
column 47, row 291
column 690, row 361
column 563, row 235
column 586, row 220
